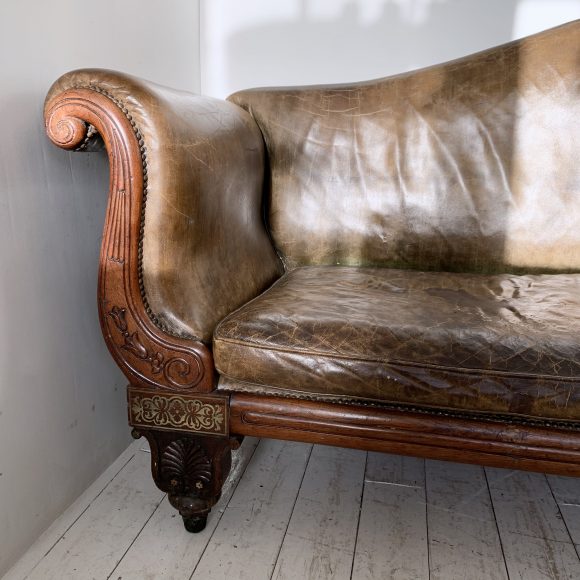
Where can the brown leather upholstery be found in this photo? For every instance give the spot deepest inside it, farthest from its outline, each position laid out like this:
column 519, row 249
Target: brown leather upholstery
column 465, row 174
column 488, row 343
column 467, row 166
column 205, row 248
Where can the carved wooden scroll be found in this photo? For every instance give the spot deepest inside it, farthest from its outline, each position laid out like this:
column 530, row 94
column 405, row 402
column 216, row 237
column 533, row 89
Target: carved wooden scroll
column 149, row 356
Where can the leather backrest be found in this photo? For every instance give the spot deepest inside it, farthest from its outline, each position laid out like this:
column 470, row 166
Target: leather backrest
column 472, row 165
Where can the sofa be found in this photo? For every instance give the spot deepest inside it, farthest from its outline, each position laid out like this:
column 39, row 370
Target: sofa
column 391, row 265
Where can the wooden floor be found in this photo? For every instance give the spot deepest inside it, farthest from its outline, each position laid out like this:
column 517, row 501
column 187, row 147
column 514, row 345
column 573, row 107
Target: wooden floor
column 297, row 511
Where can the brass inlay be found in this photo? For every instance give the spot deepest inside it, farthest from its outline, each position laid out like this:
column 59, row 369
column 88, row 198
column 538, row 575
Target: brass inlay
column 178, row 412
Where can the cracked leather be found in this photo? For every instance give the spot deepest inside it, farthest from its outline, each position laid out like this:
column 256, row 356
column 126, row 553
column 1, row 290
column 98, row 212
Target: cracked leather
column 206, row 250
column 491, row 343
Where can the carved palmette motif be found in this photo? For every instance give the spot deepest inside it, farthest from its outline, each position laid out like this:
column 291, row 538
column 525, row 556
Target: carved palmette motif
column 191, row 469
column 186, row 466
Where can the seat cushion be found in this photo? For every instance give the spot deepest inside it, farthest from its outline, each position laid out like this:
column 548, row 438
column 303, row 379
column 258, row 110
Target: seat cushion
column 489, row 344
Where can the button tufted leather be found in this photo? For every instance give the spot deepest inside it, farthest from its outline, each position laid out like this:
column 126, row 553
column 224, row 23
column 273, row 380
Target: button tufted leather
column 488, row 343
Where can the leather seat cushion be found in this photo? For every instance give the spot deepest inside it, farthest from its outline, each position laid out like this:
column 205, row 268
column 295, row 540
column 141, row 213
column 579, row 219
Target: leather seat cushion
column 495, row 344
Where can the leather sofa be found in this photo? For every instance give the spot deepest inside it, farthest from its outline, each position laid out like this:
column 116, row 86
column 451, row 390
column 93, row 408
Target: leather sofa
column 391, row 265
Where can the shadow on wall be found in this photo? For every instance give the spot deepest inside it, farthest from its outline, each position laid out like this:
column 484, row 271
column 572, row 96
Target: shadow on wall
column 401, row 36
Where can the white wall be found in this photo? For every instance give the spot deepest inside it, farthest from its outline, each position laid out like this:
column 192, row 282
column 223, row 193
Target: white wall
column 261, row 43
column 62, row 400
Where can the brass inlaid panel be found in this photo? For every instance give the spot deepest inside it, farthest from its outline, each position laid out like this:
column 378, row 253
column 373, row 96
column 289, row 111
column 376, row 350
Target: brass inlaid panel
column 201, row 414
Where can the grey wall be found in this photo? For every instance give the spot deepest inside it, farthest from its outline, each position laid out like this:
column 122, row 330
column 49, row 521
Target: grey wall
column 62, row 400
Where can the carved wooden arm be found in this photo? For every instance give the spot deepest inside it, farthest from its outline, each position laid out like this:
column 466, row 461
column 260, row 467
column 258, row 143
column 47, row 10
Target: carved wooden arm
column 184, row 243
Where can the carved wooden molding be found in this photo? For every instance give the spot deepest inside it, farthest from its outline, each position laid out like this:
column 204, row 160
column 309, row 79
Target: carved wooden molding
column 148, row 355
column 201, row 414
column 483, row 441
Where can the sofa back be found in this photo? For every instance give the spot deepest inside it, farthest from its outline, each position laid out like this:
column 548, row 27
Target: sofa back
column 472, row 165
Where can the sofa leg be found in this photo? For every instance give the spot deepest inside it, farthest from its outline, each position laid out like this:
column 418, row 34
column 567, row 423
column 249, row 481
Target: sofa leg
column 191, row 469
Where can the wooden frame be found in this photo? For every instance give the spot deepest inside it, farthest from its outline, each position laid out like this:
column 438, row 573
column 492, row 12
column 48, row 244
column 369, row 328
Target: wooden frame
column 172, row 399
column 190, row 459
column 433, row 435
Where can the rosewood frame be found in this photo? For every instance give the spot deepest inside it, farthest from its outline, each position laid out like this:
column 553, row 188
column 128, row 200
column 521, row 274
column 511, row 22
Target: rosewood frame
column 171, row 393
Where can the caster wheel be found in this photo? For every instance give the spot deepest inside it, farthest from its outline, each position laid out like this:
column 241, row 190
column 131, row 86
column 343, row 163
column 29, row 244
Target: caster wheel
column 195, row 524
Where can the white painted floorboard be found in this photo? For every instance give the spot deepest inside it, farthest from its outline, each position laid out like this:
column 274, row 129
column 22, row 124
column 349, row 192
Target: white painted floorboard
column 295, row 511
column 164, row 549
column 321, row 535
column 392, row 532
column 534, row 536
column 464, row 541
column 247, row 540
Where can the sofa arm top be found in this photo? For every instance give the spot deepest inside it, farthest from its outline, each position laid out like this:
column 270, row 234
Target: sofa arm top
column 185, row 208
